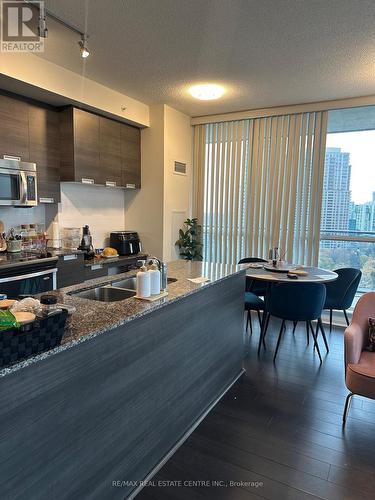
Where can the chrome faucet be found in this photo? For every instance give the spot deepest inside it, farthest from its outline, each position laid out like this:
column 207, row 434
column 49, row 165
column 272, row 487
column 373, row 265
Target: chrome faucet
column 163, row 268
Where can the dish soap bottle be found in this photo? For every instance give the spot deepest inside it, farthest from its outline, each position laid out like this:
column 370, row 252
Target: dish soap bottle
column 154, row 279
column 143, row 283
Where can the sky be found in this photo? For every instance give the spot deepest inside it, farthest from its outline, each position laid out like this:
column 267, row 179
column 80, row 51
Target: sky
column 361, row 146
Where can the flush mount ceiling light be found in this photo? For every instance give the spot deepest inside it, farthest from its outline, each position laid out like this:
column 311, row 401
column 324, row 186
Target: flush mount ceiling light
column 207, row 91
column 83, row 47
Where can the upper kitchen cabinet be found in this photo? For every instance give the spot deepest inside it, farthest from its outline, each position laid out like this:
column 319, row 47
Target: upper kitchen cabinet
column 44, row 147
column 110, row 151
column 97, row 150
column 14, row 128
column 131, row 156
column 79, row 139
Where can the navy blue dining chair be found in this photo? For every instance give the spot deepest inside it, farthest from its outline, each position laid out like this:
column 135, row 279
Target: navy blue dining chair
column 341, row 292
column 296, row 302
column 254, row 290
column 255, row 286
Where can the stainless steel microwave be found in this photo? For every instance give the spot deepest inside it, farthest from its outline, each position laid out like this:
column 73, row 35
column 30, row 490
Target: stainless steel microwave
column 18, row 183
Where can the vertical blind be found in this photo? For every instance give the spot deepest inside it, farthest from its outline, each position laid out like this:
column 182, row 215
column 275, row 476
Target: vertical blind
column 258, row 184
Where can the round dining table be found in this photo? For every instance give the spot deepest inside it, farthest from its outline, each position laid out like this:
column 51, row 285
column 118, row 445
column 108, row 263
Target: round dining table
column 266, row 273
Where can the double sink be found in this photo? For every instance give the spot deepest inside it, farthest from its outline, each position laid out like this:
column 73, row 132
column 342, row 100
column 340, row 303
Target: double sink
column 113, row 292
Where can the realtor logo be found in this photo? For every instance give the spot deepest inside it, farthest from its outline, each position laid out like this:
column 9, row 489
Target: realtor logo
column 19, row 26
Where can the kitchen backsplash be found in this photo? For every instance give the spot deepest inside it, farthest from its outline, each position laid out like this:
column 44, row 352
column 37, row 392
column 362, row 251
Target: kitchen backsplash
column 13, row 217
column 103, row 209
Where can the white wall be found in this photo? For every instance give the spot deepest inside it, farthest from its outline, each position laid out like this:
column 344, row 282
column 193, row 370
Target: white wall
column 177, row 188
column 144, row 207
column 43, row 74
column 14, row 217
column 101, row 208
column 158, row 209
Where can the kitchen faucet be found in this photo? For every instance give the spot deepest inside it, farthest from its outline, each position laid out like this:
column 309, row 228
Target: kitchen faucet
column 163, row 271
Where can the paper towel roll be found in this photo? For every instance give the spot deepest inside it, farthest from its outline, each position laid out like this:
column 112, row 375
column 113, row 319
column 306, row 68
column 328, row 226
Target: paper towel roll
column 56, row 243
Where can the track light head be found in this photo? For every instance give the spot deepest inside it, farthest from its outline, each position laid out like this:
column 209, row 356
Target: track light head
column 83, row 47
column 42, row 25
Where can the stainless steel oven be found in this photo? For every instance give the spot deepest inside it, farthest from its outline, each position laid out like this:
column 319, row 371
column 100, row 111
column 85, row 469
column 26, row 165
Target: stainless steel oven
column 18, row 182
column 29, row 279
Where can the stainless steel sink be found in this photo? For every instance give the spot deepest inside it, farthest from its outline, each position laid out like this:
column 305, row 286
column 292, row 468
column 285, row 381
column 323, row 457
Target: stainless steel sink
column 131, row 283
column 104, row 294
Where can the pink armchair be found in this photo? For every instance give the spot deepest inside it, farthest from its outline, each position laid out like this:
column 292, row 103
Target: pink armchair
column 359, row 364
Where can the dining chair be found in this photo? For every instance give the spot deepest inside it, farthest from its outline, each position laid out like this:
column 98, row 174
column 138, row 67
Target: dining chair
column 254, row 286
column 359, row 363
column 292, row 302
column 341, row 292
column 253, row 292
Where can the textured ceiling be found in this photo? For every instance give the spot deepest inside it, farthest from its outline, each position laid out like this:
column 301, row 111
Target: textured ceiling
column 266, row 52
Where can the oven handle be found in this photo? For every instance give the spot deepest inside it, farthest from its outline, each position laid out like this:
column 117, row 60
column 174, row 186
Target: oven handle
column 31, row 275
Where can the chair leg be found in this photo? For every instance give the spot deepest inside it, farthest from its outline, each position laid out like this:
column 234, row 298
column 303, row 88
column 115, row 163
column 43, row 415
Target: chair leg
column 278, row 340
column 315, row 341
column 259, row 318
column 307, row 333
column 266, row 328
column 346, row 408
column 346, row 317
column 248, row 322
column 320, row 326
column 330, row 320
column 261, row 334
column 294, row 326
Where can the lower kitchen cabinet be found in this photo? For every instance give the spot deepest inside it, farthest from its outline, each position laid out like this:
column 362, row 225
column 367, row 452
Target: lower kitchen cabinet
column 70, row 270
column 95, row 271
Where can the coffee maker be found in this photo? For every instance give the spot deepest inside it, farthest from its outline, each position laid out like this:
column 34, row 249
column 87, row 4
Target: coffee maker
column 86, row 243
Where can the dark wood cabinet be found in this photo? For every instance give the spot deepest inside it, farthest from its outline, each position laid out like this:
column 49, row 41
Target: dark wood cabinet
column 110, row 151
column 93, row 271
column 14, row 128
column 70, row 270
column 131, row 156
column 44, row 142
column 79, row 143
column 69, row 145
column 98, row 150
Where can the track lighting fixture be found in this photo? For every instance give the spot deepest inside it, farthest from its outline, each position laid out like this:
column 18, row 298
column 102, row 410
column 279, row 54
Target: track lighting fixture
column 42, row 25
column 83, row 47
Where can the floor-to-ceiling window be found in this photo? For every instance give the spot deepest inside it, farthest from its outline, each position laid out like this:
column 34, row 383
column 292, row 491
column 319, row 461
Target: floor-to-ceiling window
column 348, row 207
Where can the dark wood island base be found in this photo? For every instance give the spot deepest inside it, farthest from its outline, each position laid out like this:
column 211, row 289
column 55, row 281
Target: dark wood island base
column 95, row 420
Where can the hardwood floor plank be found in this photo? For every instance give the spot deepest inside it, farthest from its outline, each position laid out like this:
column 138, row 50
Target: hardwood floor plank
column 281, row 426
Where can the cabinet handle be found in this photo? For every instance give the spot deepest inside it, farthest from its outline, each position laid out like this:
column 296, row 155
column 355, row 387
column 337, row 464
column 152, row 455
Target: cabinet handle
column 46, row 200
column 95, row 267
column 70, row 257
column 9, row 157
column 88, row 181
column 112, row 184
column 130, row 186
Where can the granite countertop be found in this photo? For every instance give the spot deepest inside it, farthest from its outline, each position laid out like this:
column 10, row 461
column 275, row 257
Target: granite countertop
column 120, row 258
column 93, row 318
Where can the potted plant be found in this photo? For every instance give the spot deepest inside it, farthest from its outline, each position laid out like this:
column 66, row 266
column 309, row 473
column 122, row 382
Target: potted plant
column 190, row 240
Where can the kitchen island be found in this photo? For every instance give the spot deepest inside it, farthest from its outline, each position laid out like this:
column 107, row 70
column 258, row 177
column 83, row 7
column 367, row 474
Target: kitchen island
column 96, row 416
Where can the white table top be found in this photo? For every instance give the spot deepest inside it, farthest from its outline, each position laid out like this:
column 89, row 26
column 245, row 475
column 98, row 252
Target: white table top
column 315, row 275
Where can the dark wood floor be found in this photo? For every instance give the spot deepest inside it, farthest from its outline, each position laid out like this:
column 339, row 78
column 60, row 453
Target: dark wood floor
column 278, row 434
